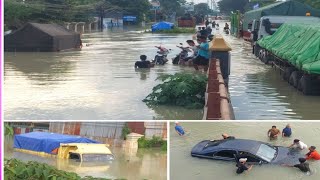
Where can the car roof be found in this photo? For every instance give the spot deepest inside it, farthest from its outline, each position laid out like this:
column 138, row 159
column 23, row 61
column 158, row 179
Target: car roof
column 246, row 145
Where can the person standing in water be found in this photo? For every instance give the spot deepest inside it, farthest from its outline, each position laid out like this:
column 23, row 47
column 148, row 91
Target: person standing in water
column 179, row 129
column 226, row 136
column 303, row 165
column 242, row 167
column 286, row 132
column 298, row 145
column 143, row 63
column 312, row 154
column 203, row 55
column 273, row 133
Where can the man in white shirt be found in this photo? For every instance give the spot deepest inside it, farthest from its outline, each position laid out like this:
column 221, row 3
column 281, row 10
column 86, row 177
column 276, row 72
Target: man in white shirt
column 298, row 144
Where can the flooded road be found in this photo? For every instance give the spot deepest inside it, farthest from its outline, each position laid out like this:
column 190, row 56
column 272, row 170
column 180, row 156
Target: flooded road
column 258, row 92
column 99, row 82
column 145, row 164
column 183, row 166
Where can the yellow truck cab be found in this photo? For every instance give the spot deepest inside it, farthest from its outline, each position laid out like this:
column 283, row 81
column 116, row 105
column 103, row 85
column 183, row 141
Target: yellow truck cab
column 85, row 152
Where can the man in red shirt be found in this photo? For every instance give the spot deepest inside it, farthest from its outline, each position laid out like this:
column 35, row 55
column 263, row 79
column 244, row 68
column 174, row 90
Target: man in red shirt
column 312, row 154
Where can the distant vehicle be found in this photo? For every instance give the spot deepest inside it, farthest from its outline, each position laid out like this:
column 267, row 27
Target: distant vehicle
column 255, row 151
column 267, row 25
column 187, row 21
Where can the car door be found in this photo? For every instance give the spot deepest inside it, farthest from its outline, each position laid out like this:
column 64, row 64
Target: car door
column 226, row 155
column 251, row 159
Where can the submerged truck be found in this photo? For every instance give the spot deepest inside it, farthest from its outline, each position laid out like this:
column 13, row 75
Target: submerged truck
column 295, row 50
column 62, row 146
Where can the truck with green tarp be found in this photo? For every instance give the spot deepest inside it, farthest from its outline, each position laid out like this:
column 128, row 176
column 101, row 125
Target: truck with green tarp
column 252, row 20
column 295, row 50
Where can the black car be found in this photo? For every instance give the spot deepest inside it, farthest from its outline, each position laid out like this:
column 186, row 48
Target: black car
column 255, row 151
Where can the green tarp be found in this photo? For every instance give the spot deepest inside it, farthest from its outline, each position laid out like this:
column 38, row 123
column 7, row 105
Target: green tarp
column 286, row 8
column 299, row 44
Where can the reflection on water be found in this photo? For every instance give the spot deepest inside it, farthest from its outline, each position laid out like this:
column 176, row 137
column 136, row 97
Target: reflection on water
column 100, row 82
column 183, row 166
column 144, row 164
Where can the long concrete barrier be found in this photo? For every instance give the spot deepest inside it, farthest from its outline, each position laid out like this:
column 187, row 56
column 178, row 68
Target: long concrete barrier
column 218, row 105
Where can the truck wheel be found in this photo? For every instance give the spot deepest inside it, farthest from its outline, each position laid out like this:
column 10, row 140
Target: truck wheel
column 265, row 59
column 305, row 85
column 287, row 73
column 295, row 78
column 256, row 50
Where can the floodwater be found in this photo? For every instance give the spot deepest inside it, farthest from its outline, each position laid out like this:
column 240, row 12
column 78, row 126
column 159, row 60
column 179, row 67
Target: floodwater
column 183, row 166
column 99, row 82
column 144, row 164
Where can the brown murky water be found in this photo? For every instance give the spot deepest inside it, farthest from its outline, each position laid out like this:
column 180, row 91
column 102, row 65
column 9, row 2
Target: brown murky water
column 183, row 166
column 99, row 82
column 144, row 164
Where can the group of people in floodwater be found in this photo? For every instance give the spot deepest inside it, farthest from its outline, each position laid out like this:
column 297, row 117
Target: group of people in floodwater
column 273, row 134
column 201, row 53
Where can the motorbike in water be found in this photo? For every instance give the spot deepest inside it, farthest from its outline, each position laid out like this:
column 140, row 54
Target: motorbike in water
column 161, row 57
column 183, row 57
column 226, row 30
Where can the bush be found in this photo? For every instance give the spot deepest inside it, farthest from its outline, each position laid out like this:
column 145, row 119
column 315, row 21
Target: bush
column 15, row 169
column 125, row 131
column 150, row 143
column 180, row 89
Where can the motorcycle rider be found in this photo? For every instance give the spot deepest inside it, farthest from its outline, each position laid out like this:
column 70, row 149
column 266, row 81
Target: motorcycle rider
column 161, row 57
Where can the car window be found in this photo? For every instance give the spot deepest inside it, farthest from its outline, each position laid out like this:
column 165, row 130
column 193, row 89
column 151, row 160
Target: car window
column 97, row 157
column 225, row 153
column 250, row 157
column 74, row 156
column 266, row 152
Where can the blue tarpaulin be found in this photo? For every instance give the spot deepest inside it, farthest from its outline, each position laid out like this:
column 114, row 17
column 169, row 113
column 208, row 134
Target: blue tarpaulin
column 129, row 18
column 162, row 26
column 46, row 142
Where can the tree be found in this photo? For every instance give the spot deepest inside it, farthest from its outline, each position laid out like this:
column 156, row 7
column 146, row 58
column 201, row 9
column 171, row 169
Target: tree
column 133, row 7
column 172, row 6
column 202, row 9
column 226, row 6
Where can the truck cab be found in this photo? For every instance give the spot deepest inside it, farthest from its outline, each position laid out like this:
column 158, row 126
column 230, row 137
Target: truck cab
column 267, row 25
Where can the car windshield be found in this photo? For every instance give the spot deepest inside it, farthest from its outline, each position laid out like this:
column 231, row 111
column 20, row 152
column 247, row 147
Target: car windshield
column 266, row 152
column 97, row 157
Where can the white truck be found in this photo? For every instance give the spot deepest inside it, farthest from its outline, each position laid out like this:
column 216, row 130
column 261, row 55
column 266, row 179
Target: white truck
column 267, row 25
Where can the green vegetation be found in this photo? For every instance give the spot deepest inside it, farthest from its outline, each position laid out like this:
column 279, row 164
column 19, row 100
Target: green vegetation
column 180, row 89
column 177, row 30
column 16, row 169
column 17, row 12
column 8, row 130
column 151, row 143
column 125, row 131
